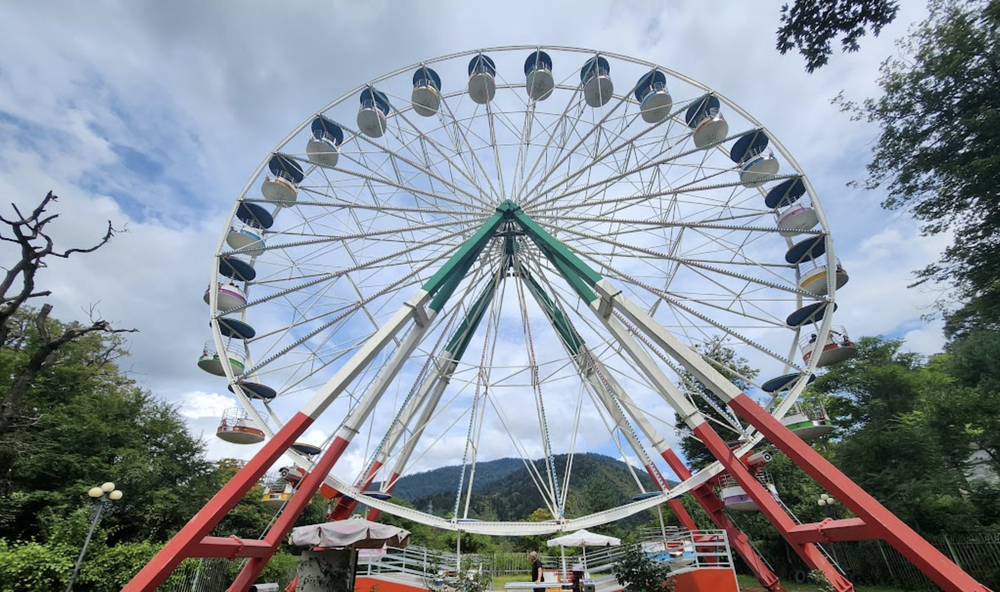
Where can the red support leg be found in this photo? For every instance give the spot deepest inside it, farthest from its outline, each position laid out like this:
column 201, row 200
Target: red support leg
column 293, row 509
column 894, row 531
column 809, row 553
column 186, row 542
column 713, row 506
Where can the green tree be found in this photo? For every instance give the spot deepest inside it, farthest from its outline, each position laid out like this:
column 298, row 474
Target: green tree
column 639, row 573
column 965, row 414
column 18, row 288
column 937, row 153
column 811, row 26
column 886, row 445
column 92, row 422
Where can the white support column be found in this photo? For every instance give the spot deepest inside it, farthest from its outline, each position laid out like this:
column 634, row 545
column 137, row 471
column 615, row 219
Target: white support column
column 425, row 416
column 367, row 403
column 670, row 393
column 424, row 392
column 375, row 344
column 688, row 358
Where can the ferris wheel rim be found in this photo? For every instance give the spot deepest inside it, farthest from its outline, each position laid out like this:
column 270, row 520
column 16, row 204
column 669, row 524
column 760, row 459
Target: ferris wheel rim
column 809, row 368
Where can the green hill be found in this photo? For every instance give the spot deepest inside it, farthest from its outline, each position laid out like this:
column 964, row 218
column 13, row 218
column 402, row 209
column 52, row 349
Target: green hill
column 504, row 490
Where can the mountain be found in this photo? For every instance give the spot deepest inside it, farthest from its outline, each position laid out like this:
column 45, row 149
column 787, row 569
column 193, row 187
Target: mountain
column 503, row 488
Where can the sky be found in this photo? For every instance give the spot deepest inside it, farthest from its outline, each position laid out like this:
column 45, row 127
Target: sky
column 153, row 115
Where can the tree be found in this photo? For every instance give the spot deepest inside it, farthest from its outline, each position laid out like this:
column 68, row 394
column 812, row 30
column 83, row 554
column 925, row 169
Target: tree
column 886, row 444
column 17, row 288
column 737, row 370
column 93, row 422
column 638, row 573
column 938, row 149
column 810, row 26
column 966, row 413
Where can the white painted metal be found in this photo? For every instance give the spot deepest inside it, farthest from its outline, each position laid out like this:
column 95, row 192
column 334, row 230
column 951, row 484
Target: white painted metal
column 353, row 238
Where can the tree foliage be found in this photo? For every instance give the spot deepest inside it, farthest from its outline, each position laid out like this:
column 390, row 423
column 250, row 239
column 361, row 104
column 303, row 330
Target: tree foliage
column 639, row 573
column 811, row 26
column 938, row 149
column 18, row 287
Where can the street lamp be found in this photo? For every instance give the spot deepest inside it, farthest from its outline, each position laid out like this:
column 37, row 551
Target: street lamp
column 827, row 503
column 102, row 496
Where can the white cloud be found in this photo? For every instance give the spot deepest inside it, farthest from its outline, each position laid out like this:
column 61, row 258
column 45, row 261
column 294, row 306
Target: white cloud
column 153, row 115
column 199, row 404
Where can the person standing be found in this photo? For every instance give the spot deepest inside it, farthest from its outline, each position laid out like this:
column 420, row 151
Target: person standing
column 536, row 570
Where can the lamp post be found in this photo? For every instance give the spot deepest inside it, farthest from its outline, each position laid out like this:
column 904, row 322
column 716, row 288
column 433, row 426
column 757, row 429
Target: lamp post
column 102, row 496
column 827, row 503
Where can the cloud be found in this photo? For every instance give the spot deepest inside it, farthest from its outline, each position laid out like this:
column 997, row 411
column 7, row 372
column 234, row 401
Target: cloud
column 154, row 115
column 199, row 404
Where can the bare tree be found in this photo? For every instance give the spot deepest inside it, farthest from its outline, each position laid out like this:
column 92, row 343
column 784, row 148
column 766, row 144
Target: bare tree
column 18, row 287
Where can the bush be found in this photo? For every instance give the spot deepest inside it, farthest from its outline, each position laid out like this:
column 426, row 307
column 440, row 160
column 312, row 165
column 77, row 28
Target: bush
column 638, row 573
column 30, row 566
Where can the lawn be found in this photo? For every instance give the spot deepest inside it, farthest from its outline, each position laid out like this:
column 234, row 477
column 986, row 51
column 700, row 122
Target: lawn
column 750, row 584
column 747, row 584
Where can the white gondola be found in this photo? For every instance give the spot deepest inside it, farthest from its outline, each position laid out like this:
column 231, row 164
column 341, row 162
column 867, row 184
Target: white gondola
column 654, row 99
column 735, row 498
column 283, row 187
column 237, row 427
column 755, row 167
column 837, row 348
column 246, row 234
column 323, row 147
column 706, row 121
column 230, row 296
column 482, row 82
column 426, row 97
column 374, row 113
column 211, row 362
column 538, row 76
column 596, row 79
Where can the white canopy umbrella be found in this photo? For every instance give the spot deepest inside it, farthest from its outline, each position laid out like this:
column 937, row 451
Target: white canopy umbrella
column 583, row 538
column 356, row 533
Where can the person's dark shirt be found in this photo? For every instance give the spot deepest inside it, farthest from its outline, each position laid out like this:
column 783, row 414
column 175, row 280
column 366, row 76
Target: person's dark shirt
column 536, row 572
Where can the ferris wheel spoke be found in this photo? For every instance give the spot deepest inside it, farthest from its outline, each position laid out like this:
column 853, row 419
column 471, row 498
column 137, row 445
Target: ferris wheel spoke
column 394, row 155
column 656, row 162
column 622, row 100
column 461, row 136
column 449, row 158
column 574, row 103
column 598, row 158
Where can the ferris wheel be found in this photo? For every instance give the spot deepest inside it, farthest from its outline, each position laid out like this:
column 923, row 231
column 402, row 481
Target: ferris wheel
column 506, row 184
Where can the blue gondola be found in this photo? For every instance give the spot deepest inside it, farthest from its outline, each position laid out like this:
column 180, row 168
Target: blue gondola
column 755, row 166
column 704, row 117
column 283, row 187
column 426, row 97
column 654, row 99
column 596, row 79
column 374, row 112
column 246, row 234
column 538, row 75
column 323, row 147
column 794, row 214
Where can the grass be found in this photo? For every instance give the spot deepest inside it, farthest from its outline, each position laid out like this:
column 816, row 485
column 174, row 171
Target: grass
column 747, row 584
column 750, row 584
